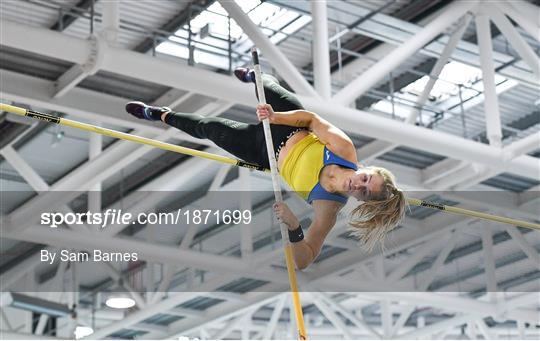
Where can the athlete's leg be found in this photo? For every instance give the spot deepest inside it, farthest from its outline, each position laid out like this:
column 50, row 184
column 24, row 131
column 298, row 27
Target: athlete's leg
column 245, row 141
column 278, row 97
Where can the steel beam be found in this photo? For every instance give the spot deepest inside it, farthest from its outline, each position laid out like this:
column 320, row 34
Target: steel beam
column 334, row 319
column 171, row 74
column 282, row 64
column 527, row 299
column 438, row 67
column 528, row 249
column 441, row 170
column 425, row 299
column 404, row 238
column 427, row 331
column 378, row 71
column 529, row 9
column 220, row 313
column 321, row 53
column 403, row 268
column 489, row 262
column 69, row 80
column 348, row 315
column 374, row 149
column 454, row 303
column 86, row 105
column 183, row 312
column 229, row 327
column 327, row 333
column 521, row 330
column 56, row 281
column 5, row 320
column 522, row 146
column 394, row 31
column 417, row 137
column 79, row 103
column 515, row 39
column 110, row 20
column 24, row 169
column 461, row 174
column 377, row 148
column 274, row 319
column 173, row 98
column 530, row 26
column 486, row 332
column 491, row 103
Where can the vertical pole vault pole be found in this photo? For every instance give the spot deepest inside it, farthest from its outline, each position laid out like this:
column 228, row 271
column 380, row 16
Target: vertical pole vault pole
column 277, row 194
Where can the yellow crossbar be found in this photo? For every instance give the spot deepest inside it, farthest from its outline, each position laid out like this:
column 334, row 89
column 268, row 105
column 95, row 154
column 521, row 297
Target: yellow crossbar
column 128, row 137
column 470, row 213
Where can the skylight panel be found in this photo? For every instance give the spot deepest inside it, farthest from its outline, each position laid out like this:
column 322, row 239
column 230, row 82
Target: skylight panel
column 216, row 7
column 212, row 48
column 180, row 36
column 446, row 90
column 248, row 5
column 262, row 13
column 173, row 49
column 281, row 19
column 205, row 18
column 216, row 17
column 276, row 38
column 452, row 74
column 385, row 106
column 302, row 21
column 459, row 73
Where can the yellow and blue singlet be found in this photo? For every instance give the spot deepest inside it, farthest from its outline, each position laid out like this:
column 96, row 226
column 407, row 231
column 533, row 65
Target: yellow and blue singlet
column 302, row 167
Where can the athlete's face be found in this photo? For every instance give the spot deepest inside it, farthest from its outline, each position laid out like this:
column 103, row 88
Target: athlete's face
column 364, row 185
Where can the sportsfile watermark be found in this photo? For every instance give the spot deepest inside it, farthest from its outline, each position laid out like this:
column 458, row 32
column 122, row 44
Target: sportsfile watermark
column 120, row 217
column 446, row 248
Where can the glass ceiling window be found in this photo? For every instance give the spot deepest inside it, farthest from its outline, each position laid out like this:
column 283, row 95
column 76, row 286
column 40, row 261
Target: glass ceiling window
column 211, row 32
column 445, row 92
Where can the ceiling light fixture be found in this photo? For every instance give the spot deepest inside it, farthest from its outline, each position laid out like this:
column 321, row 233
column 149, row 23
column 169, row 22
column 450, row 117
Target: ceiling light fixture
column 82, row 331
column 120, row 302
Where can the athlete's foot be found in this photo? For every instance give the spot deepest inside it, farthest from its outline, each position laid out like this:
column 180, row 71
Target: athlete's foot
column 245, row 75
column 147, row 112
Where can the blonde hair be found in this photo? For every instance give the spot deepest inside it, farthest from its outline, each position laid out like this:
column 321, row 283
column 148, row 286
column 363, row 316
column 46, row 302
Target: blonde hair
column 373, row 219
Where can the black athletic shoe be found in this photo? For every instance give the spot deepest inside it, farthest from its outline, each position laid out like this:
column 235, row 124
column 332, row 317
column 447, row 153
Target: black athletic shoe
column 147, row 112
column 245, row 75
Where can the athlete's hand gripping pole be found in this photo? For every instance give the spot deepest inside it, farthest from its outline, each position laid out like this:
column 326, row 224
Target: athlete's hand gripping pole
column 277, row 193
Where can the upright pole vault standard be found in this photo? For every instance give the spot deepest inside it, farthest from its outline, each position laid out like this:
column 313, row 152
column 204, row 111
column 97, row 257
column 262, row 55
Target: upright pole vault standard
column 277, row 194
column 223, row 159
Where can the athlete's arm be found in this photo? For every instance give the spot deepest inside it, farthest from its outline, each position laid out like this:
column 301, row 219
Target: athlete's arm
column 333, row 137
column 306, row 250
